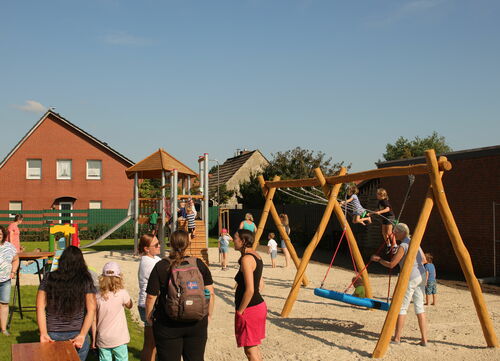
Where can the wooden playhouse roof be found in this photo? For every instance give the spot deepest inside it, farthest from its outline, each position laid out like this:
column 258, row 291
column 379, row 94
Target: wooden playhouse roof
column 152, row 166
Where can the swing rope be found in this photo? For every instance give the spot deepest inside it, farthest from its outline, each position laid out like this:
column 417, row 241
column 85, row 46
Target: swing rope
column 333, row 258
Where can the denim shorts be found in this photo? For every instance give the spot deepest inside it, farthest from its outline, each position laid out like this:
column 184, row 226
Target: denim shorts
column 5, row 291
column 224, row 249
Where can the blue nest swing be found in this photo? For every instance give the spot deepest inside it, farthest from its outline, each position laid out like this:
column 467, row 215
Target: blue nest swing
column 352, row 300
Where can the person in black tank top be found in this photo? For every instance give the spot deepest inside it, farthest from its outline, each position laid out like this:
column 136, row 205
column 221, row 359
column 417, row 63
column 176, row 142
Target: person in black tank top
column 388, row 219
column 250, row 308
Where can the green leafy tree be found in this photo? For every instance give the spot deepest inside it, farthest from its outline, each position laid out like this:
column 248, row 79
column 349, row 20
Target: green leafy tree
column 150, row 188
column 291, row 164
column 404, row 148
column 225, row 194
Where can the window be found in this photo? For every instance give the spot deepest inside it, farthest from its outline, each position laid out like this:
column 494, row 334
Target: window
column 95, row 204
column 64, row 169
column 94, row 169
column 34, row 169
column 16, row 207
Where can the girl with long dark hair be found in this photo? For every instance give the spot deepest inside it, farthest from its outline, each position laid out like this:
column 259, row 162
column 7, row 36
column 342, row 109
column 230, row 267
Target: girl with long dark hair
column 66, row 302
column 174, row 338
column 251, row 310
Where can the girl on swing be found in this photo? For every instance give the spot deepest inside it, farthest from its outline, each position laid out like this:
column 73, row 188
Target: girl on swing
column 388, row 218
column 359, row 214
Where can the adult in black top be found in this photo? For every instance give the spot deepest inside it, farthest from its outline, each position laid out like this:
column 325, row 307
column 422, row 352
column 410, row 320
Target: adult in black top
column 175, row 339
column 251, row 310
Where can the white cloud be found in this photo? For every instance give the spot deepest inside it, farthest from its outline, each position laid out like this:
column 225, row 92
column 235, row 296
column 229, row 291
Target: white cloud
column 123, row 38
column 31, row 106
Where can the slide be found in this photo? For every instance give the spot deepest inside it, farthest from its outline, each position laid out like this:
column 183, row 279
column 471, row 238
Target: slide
column 109, row 232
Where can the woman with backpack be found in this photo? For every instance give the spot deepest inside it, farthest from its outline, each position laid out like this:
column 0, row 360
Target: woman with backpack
column 251, row 310
column 181, row 291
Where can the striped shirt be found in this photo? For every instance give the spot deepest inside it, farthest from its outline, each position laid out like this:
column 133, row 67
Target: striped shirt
column 7, row 254
column 356, row 206
column 190, row 218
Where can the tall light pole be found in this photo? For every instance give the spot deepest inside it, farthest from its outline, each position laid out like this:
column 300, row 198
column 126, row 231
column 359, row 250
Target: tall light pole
column 218, row 180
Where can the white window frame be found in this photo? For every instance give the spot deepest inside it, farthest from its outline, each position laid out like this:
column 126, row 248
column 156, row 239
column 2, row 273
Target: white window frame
column 70, row 169
column 100, row 169
column 28, row 176
column 92, row 204
column 15, row 209
column 65, row 210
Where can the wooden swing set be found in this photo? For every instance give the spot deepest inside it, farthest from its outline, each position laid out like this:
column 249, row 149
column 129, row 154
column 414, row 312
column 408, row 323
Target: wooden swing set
column 330, row 187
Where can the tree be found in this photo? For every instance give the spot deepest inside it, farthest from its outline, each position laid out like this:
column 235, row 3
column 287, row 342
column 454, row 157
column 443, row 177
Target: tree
column 404, row 148
column 150, row 188
column 225, row 194
column 291, row 164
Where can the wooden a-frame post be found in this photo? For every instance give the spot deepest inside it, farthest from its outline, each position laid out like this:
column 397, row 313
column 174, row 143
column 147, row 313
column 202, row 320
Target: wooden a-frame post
column 269, row 207
column 435, row 194
column 292, row 296
column 353, row 245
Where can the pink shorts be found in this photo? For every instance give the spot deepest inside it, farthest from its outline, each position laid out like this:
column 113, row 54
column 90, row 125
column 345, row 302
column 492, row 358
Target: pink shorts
column 250, row 328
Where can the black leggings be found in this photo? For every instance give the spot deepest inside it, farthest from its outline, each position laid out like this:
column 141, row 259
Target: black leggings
column 175, row 341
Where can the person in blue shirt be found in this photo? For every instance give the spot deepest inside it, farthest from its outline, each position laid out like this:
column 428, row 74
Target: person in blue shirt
column 431, row 284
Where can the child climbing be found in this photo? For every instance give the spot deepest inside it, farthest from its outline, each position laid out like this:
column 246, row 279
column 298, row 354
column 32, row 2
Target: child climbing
column 272, row 246
column 431, row 284
column 358, row 212
column 190, row 216
column 224, row 240
column 385, row 210
column 110, row 331
column 153, row 220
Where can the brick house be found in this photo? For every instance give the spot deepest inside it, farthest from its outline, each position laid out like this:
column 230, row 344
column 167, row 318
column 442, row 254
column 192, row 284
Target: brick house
column 57, row 164
column 473, row 191
column 236, row 170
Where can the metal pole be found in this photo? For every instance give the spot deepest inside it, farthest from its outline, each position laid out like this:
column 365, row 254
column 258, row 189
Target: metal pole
column 205, row 196
column 136, row 212
column 174, row 202
column 189, row 184
column 163, row 213
column 218, row 183
column 202, row 185
column 172, row 226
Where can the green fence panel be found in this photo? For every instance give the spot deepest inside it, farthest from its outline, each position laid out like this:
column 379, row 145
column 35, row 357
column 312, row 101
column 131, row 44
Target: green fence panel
column 109, row 217
column 213, row 217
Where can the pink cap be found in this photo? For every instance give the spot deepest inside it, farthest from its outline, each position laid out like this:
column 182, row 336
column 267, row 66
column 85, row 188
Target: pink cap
column 111, row 269
column 224, row 230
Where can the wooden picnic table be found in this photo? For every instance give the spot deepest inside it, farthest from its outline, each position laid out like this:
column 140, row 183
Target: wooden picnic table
column 26, row 256
column 48, row 351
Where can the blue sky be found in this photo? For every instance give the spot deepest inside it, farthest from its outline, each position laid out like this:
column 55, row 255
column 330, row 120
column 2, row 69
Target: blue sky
column 342, row 77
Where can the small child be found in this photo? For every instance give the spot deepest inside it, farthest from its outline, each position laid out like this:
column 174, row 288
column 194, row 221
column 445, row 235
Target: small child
column 190, row 216
column 431, row 284
column 359, row 213
column 153, row 220
column 272, row 246
column 359, row 288
column 111, row 323
column 224, row 240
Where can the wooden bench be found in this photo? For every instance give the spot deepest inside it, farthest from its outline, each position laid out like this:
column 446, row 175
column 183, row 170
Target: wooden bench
column 50, row 351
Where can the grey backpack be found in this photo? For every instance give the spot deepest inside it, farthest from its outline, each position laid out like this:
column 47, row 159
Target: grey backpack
column 185, row 298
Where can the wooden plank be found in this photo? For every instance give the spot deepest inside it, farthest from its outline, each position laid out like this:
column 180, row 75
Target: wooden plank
column 444, row 165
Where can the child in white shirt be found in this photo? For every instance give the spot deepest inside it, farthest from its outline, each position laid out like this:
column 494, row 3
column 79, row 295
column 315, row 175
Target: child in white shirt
column 272, row 246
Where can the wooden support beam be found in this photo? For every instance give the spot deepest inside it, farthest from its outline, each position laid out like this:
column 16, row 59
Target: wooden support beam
column 268, row 195
column 460, row 250
column 292, row 296
column 360, row 264
column 404, row 276
column 281, row 229
column 444, row 165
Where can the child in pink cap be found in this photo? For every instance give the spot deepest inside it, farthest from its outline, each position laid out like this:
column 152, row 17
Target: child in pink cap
column 110, row 331
column 224, row 240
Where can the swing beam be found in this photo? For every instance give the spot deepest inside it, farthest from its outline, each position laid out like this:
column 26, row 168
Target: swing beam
column 434, row 168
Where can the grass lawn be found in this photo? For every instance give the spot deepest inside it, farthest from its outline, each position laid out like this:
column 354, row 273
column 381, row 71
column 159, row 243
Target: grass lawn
column 26, row 330
column 106, row 245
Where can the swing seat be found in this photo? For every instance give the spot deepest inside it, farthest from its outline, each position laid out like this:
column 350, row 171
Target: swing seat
column 352, row 300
